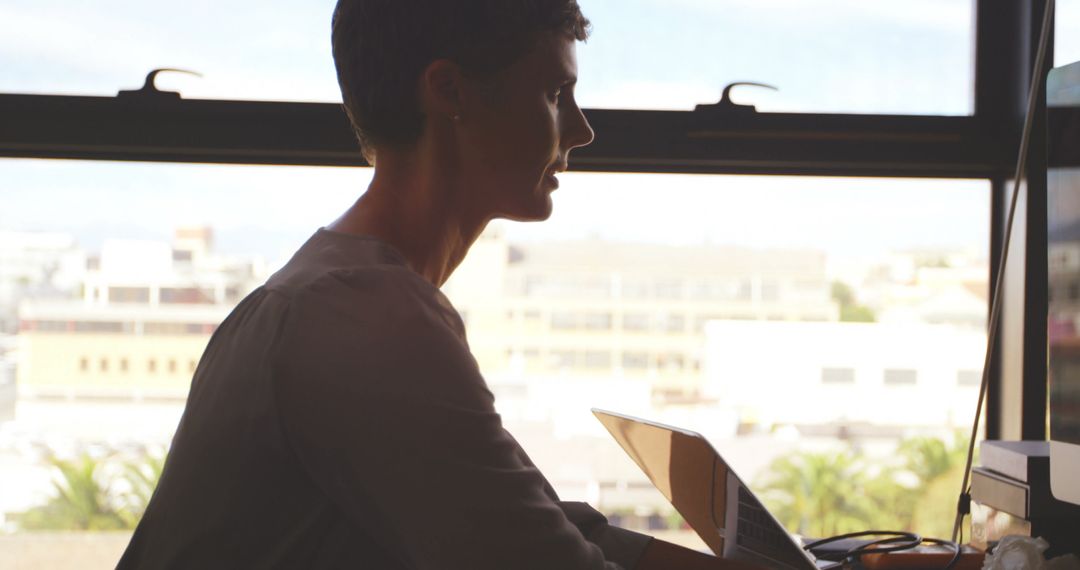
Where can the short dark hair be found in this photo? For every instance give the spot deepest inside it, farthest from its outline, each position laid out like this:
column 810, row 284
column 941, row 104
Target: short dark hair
column 381, row 47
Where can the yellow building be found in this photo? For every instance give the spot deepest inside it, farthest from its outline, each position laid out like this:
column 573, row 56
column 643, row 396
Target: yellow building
column 146, row 314
column 595, row 308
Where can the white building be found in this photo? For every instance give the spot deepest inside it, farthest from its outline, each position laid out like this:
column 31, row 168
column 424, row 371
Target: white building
column 901, row 376
column 36, row 264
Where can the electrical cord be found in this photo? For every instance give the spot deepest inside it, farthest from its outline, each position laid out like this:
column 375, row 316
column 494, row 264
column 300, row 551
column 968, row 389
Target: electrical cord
column 892, row 541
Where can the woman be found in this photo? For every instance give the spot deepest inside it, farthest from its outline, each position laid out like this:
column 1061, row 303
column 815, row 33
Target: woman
column 337, row 418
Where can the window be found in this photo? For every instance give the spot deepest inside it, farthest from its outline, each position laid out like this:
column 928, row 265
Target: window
column 635, row 322
column 663, row 55
column 765, row 233
column 564, row 320
column 597, row 321
column 191, row 295
column 616, row 351
column 84, row 364
column 837, row 376
column 899, row 377
column 562, row 359
column 642, row 54
column 672, row 323
column 129, row 294
column 123, row 365
column 1067, row 32
column 100, row 327
column 597, row 359
column 635, row 360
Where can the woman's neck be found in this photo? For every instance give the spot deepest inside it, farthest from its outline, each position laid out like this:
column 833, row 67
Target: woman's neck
column 413, row 207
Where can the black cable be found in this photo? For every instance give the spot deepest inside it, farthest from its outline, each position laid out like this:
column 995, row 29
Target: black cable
column 893, row 541
column 911, row 540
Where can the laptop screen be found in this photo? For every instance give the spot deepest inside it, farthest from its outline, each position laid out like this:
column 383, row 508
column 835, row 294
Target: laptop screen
column 712, row 499
column 683, row 467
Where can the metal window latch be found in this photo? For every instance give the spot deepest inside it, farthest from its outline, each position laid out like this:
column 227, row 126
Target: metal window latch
column 726, row 105
column 149, row 89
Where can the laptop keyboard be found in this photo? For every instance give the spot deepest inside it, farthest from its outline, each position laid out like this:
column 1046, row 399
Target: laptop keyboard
column 757, row 531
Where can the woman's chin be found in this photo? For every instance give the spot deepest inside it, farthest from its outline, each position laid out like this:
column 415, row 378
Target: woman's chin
column 536, row 211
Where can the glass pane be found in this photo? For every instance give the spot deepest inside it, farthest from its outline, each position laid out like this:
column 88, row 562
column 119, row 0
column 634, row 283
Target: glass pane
column 1066, row 32
column 842, row 56
column 691, row 300
column 837, row 56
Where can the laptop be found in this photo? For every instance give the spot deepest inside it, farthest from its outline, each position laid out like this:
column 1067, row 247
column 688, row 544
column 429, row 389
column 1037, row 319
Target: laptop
column 708, row 494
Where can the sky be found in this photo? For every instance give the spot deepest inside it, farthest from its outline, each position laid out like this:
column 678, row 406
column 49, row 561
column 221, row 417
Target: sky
column 859, row 56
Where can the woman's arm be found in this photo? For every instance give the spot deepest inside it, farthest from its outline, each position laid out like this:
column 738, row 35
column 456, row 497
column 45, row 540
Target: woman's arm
column 387, row 413
column 660, row 555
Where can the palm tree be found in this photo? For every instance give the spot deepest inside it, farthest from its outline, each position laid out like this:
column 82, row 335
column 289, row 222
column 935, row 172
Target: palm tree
column 820, row 494
column 142, row 477
column 940, row 470
column 82, row 500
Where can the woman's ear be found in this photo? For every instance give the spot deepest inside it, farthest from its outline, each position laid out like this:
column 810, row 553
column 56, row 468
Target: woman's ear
column 441, row 87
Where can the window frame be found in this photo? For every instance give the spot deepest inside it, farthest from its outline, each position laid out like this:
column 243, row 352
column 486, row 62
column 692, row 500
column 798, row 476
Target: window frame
column 167, row 128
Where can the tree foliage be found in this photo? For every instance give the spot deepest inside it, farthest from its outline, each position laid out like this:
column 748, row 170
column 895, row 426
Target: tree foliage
column 850, row 310
column 90, row 495
column 828, row 493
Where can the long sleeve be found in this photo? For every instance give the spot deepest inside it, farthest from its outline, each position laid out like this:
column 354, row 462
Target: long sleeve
column 388, row 414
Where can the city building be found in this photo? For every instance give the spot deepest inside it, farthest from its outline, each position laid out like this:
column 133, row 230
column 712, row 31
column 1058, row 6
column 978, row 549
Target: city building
column 131, row 342
column 846, row 379
column 596, row 309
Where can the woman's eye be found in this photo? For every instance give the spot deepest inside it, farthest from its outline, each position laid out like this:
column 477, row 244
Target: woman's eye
column 555, row 95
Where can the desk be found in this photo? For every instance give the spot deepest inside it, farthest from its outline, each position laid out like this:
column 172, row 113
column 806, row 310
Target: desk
column 661, row 555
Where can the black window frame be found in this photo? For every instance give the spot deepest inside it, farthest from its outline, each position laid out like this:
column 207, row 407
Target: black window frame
column 983, row 145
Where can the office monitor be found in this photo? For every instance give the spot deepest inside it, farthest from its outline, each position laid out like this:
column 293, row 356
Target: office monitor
column 1063, row 278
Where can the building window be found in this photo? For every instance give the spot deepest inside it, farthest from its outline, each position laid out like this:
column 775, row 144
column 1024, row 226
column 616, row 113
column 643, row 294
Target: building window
column 123, row 365
column 559, row 359
column 187, row 296
column 837, row 375
column 104, row 365
column 968, row 378
column 670, row 361
column 192, row 365
column 598, row 321
column 562, row 320
column 635, row 360
column 151, row 366
column 172, row 366
column 597, row 359
column 102, row 327
column 129, row 294
column 672, row 323
column 900, row 377
column 635, row 322
column 84, row 364
column 177, row 328
column 668, row 289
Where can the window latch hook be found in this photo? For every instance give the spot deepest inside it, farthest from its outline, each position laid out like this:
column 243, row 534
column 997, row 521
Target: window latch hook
column 726, row 105
column 150, row 89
